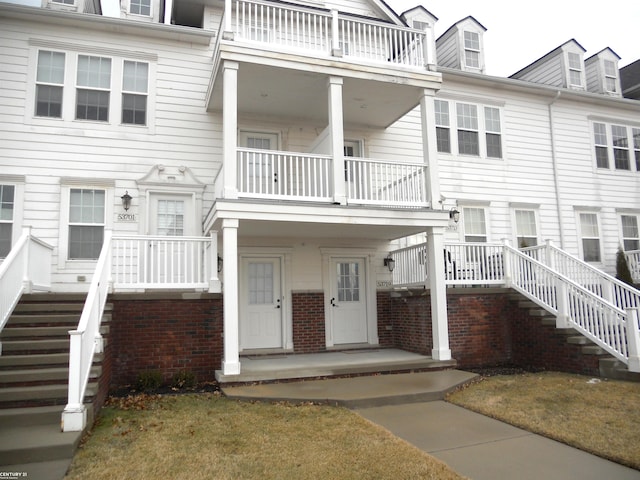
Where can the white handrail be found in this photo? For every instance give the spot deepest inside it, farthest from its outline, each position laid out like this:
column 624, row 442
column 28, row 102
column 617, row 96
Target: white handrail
column 26, row 268
column 86, row 340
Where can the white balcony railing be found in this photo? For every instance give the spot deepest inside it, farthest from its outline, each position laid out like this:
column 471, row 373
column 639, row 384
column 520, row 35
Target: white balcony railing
column 385, row 183
column 633, row 260
column 284, row 175
column 320, row 32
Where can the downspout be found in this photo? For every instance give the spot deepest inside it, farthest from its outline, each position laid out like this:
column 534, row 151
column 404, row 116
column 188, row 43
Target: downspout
column 554, row 161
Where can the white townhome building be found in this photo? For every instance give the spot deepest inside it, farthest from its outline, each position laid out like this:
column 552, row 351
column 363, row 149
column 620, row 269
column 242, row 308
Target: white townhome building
column 294, row 170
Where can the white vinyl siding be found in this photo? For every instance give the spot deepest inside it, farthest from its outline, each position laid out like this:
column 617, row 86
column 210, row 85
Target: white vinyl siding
column 590, row 237
column 7, row 201
column 86, row 223
column 630, row 232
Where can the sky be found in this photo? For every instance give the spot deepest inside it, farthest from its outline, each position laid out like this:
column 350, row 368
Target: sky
column 520, row 32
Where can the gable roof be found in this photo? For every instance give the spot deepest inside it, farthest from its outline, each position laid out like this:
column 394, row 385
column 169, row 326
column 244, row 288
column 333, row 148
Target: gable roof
column 545, row 57
column 600, row 52
column 419, row 7
column 459, row 22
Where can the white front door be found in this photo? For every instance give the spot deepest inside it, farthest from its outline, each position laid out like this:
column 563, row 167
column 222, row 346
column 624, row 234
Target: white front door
column 348, row 304
column 261, row 303
column 168, row 260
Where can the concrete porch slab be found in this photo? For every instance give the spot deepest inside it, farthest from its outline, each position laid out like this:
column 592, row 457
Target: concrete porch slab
column 288, row 366
column 358, row 392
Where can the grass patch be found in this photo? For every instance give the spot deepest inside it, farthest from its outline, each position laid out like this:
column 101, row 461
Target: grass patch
column 207, row 436
column 599, row 416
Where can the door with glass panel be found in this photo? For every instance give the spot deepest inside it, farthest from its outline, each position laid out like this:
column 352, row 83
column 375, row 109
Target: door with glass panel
column 348, row 302
column 168, row 259
column 260, row 303
column 257, row 169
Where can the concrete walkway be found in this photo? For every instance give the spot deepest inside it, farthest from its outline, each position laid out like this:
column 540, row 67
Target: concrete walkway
column 411, row 407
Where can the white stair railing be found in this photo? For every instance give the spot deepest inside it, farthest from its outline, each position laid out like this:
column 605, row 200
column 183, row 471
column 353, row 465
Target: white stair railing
column 27, row 268
column 86, row 341
column 633, row 260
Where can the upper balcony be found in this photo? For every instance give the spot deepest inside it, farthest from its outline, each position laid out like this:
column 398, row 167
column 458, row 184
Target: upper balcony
column 286, row 53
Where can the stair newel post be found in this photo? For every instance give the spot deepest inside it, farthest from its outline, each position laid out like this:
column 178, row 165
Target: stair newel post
column 562, row 299
column 549, row 260
column 507, row 265
column 26, row 277
column 633, row 339
column 74, row 416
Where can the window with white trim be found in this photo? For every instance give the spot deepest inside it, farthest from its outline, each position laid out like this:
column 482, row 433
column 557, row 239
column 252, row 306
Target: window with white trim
column 471, row 49
column 135, row 80
column 64, row 2
column 475, row 225
column 526, row 229
column 140, row 7
column 467, row 117
column 610, row 76
column 575, row 69
column 493, row 132
column 7, row 200
column 49, row 84
column 612, row 141
column 93, row 88
column 86, row 223
column 170, row 218
column 443, row 130
column 630, row 232
column 590, row 237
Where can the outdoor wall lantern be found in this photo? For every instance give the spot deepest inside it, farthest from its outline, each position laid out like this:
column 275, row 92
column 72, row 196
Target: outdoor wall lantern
column 454, row 215
column 126, row 201
column 390, row 263
column 219, row 263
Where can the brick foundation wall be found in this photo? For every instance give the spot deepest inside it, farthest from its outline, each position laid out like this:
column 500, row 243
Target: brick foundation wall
column 308, row 322
column 168, row 335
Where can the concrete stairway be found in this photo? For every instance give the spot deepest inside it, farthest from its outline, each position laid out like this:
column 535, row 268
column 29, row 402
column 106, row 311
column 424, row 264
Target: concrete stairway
column 34, row 371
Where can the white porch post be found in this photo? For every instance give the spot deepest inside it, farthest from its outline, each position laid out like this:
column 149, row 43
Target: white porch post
column 430, row 147
column 215, row 285
column 231, row 362
column 229, row 129
column 336, row 128
column 439, row 321
column 633, row 339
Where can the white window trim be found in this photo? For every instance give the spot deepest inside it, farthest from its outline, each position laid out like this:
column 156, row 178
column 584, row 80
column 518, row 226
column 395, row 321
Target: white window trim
column 482, row 129
column 468, row 49
column 18, row 182
column 245, row 133
column 487, row 219
column 69, row 90
column 514, row 222
column 66, row 185
column 610, row 149
column 591, row 211
column 621, row 214
column 570, row 69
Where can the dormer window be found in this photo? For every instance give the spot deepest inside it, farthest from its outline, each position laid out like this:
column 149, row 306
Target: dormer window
column 418, row 25
column 140, row 7
column 575, row 69
column 610, row 76
column 64, row 2
column 472, row 49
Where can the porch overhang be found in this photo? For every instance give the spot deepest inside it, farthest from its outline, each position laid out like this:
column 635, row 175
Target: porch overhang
column 300, row 219
column 276, row 84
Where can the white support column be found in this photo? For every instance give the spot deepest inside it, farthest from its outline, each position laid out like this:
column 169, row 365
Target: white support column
column 439, row 320
column 633, row 339
column 231, row 362
column 430, row 147
column 215, row 286
column 228, row 34
column 230, row 129
column 336, row 128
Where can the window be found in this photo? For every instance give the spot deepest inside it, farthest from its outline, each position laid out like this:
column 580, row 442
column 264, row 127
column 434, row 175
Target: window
column 620, row 147
column 575, row 69
column 610, row 76
column 49, row 84
column 472, row 49
column 590, row 234
column 94, row 84
column 86, row 223
column 630, row 232
column 64, row 2
column 475, row 226
column 7, row 193
column 140, row 7
column 636, row 146
column 134, row 92
column 526, row 232
column 467, row 129
column 492, row 127
column 170, row 218
column 443, row 137
column 419, row 25
column 602, row 149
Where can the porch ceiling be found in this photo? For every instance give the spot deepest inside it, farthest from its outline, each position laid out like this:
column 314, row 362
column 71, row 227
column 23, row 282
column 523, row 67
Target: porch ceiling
column 289, row 95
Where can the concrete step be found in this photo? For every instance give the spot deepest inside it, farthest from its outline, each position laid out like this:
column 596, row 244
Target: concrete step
column 36, row 443
column 51, row 359
column 614, row 369
column 34, row 332
column 579, row 340
column 22, row 417
column 56, row 393
column 51, row 374
column 593, row 350
column 49, row 319
column 48, row 307
column 15, row 346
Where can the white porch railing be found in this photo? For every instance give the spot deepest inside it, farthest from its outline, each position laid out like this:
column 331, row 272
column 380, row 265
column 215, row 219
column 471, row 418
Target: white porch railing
column 322, row 32
column 633, row 259
column 284, row 175
column 385, row 183
column 26, row 268
column 610, row 320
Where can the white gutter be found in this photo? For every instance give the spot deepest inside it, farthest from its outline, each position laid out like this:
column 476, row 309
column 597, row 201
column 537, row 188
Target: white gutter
column 554, row 161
